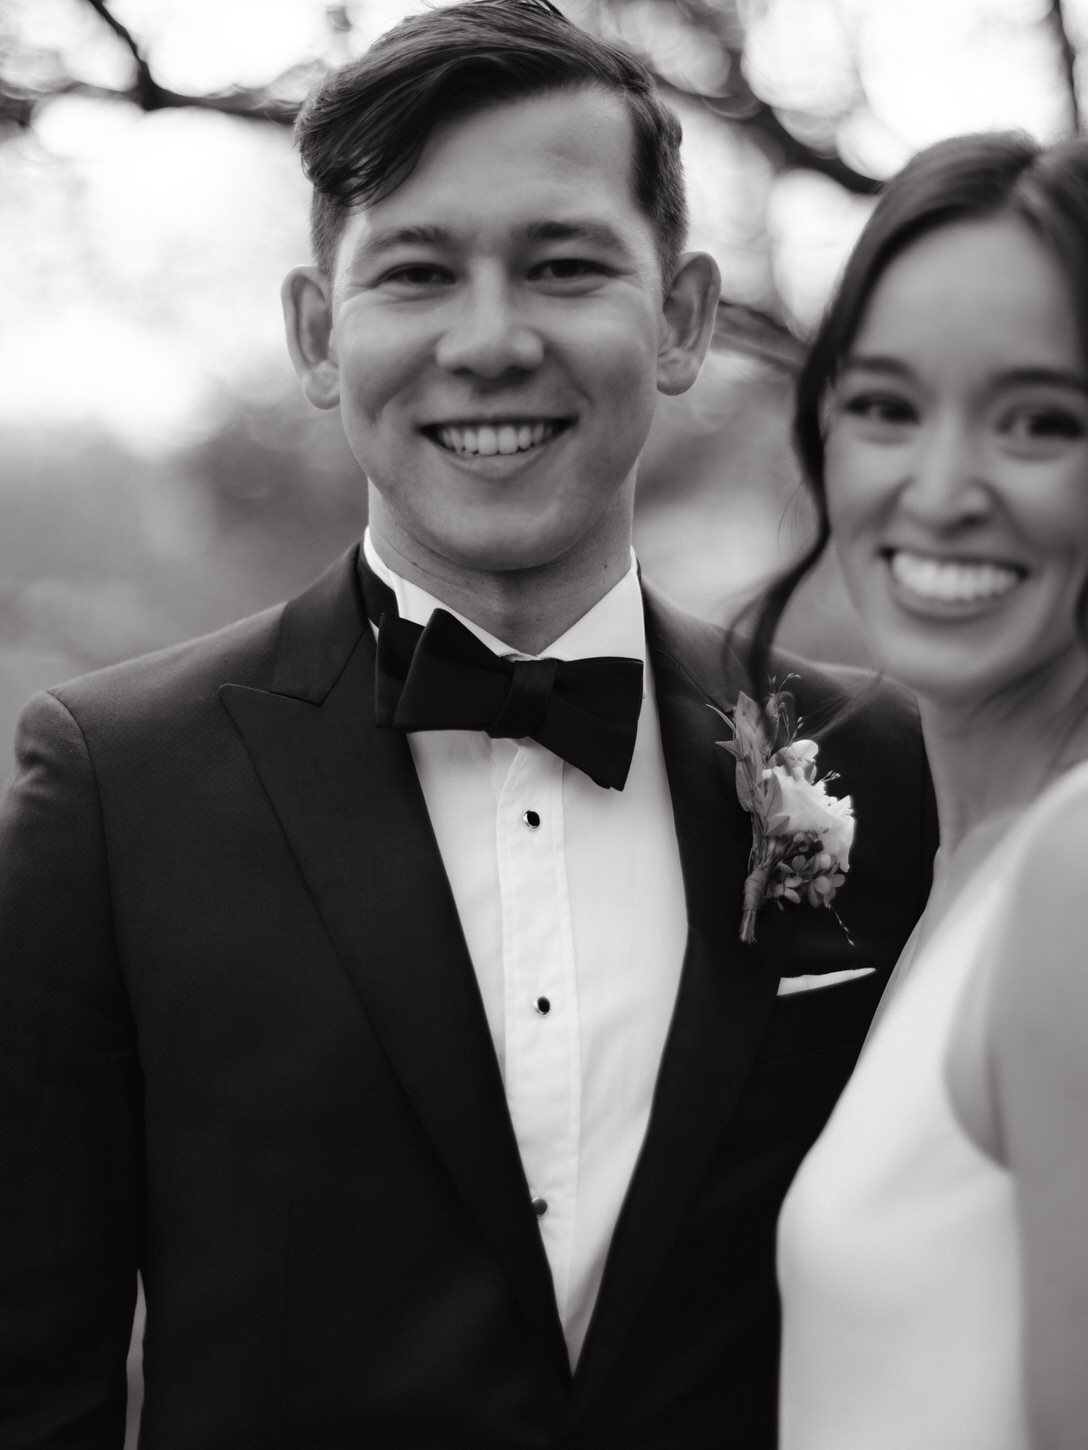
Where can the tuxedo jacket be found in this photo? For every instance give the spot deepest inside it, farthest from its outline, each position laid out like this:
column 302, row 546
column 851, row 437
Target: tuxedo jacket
column 243, row 1052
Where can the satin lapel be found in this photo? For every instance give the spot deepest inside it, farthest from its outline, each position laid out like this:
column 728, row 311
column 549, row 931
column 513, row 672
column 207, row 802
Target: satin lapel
column 349, row 801
column 727, row 989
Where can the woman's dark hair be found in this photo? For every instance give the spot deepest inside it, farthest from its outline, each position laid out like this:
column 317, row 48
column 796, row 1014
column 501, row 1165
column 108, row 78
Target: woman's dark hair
column 966, row 178
column 363, row 128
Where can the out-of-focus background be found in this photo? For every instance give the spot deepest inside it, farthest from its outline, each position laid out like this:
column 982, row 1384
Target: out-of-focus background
column 160, row 473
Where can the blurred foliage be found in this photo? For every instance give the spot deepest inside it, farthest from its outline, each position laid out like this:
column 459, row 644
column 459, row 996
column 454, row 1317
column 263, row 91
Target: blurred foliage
column 106, row 554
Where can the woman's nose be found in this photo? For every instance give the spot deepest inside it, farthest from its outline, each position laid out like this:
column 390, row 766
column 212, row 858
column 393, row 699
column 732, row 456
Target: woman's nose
column 946, row 482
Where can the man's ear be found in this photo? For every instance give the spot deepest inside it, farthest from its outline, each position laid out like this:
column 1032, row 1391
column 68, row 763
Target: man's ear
column 690, row 308
column 307, row 313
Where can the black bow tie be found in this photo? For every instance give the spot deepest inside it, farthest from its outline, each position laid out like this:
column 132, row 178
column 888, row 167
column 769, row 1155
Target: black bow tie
column 442, row 677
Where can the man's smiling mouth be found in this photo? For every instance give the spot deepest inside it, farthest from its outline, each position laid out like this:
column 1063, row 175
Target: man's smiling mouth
column 487, row 439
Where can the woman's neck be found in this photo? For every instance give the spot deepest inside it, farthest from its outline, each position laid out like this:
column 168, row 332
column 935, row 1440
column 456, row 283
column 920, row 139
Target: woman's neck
column 989, row 763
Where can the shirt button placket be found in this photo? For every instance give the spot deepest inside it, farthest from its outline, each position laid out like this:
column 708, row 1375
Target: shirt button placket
column 541, row 1005
column 541, row 1066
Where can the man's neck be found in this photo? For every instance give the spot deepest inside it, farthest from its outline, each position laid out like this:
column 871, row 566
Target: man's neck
column 528, row 609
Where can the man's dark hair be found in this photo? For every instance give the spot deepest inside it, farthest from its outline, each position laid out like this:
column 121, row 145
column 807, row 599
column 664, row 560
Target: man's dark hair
column 362, row 130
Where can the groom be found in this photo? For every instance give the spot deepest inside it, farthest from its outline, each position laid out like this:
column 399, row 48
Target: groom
column 369, row 972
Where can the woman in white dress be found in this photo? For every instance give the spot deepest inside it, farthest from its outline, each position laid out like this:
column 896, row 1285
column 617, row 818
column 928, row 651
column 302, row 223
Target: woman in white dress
column 934, row 1246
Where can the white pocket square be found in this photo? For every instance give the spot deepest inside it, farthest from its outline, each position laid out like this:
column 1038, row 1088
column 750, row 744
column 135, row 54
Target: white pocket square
column 787, row 985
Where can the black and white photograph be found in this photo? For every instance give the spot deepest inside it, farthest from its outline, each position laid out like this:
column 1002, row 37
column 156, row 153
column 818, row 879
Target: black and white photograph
column 543, row 725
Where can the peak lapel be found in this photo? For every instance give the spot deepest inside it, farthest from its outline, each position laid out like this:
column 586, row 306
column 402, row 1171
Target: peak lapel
column 727, row 989
column 349, row 801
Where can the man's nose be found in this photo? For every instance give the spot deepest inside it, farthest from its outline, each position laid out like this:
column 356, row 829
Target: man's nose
column 488, row 334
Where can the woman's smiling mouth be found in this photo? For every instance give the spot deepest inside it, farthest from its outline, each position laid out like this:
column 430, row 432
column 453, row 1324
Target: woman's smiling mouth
column 935, row 580
column 485, row 439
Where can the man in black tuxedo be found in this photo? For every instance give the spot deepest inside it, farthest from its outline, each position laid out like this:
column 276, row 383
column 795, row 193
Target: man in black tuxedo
column 369, row 971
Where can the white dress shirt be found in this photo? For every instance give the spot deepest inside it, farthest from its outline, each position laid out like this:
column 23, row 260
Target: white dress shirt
column 572, row 905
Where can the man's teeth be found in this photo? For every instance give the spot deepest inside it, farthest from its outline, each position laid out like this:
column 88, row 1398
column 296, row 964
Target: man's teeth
column 952, row 581
column 487, row 439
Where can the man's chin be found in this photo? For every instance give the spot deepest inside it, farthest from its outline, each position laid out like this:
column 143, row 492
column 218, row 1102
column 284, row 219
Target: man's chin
column 521, row 533
column 501, row 541
column 506, row 556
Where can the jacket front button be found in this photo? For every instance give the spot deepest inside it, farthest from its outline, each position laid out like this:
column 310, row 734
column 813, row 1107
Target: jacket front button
column 540, row 1205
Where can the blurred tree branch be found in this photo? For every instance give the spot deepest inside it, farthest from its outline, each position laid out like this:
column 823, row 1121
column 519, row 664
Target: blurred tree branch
column 762, row 122
column 1055, row 21
column 145, row 86
column 277, row 102
column 741, row 106
column 717, row 26
column 743, row 328
column 756, row 333
column 18, row 107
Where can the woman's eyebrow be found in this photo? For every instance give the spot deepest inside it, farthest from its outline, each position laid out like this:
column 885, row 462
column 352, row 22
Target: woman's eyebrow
column 875, row 363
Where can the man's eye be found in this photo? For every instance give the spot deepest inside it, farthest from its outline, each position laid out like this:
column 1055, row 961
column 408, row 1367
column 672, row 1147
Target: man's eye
column 417, row 274
column 567, row 269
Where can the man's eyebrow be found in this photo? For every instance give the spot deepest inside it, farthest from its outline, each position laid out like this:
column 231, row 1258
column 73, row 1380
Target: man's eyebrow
column 389, row 238
column 595, row 233
column 588, row 231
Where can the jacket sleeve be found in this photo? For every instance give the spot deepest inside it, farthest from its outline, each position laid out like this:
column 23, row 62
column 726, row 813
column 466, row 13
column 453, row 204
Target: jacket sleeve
column 71, row 1218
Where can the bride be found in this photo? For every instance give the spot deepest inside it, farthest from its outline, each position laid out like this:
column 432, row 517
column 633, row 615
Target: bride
column 934, row 1246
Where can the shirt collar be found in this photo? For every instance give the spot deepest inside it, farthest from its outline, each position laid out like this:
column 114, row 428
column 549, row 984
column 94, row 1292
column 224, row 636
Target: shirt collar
column 615, row 625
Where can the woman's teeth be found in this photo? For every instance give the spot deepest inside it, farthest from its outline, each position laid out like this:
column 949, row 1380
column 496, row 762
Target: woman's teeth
column 487, row 439
column 952, row 581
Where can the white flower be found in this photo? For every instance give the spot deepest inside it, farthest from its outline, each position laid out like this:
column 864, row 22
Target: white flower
column 838, row 832
column 805, row 806
column 799, row 757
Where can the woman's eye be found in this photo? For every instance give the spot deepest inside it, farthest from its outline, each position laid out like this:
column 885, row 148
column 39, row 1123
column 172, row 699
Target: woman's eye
column 882, row 409
column 1042, row 425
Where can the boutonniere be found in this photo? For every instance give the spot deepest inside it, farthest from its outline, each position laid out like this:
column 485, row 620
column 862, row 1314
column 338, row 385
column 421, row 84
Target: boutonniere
column 801, row 836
